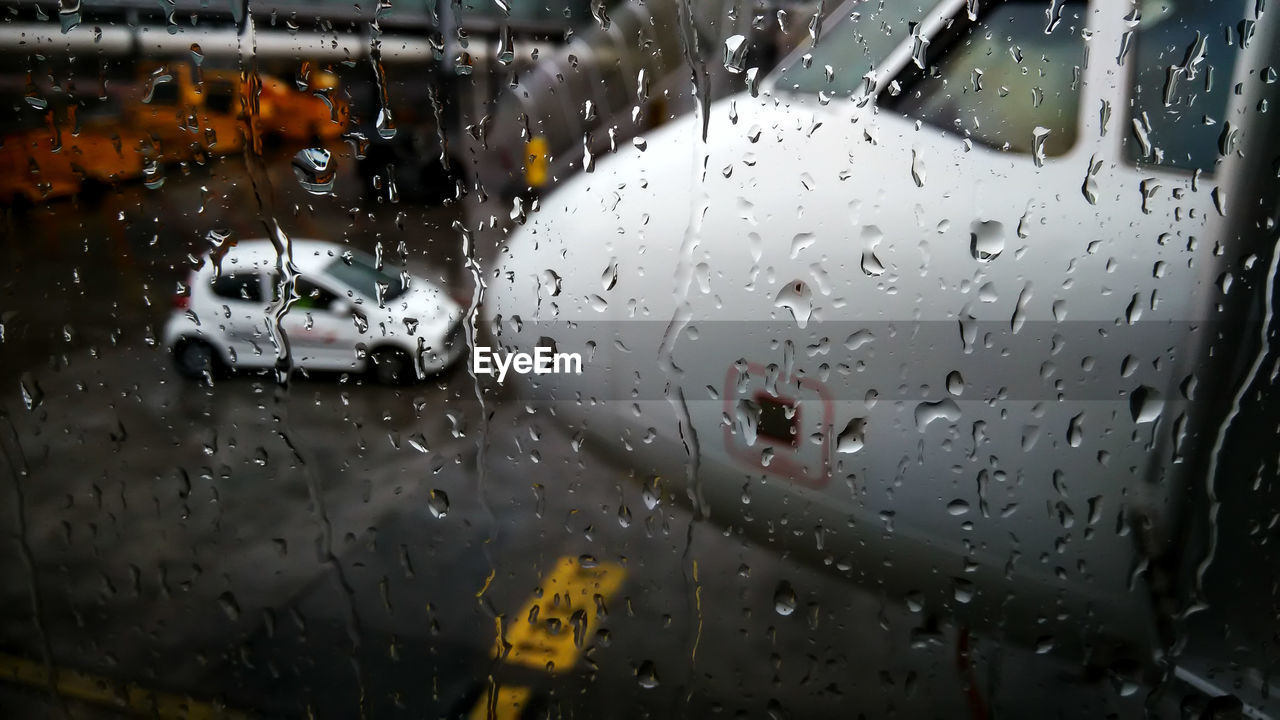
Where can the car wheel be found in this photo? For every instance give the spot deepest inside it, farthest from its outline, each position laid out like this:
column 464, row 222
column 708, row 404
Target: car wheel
column 196, row 359
column 390, row 366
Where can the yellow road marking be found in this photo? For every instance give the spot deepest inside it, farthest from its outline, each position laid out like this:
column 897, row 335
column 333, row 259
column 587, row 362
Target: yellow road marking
column 101, row 691
column 506, row 704
column 697, row 598
column 550, row 631
column 487, row 580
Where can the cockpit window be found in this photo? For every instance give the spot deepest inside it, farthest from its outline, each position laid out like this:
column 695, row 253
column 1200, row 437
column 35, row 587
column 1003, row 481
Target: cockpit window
column 1182, row 59
column 849, row 50
column 1010, row 80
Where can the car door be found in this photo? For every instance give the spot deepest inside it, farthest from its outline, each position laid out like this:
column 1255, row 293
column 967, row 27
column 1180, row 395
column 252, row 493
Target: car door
column 241, row 316
column 320, row 328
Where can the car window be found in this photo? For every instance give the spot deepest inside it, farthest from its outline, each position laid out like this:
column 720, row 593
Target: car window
column 242, row 286
column 220, row 97
column 166, row 92
column 312, row 296
column 360, row 272
column 1010, row 80
column 1181, row 59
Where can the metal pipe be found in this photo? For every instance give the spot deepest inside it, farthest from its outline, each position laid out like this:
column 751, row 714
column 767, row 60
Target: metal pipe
column 158, row 41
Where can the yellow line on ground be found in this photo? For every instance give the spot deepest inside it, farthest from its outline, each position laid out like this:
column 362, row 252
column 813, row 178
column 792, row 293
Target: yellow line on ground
column 507, row 703
column 487, row 580
column 554, row 626
column 550, row 631
column 126, row 696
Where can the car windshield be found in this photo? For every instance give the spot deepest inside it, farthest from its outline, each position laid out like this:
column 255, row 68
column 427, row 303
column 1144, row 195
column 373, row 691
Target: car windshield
column 360, row 272
column 851, row 48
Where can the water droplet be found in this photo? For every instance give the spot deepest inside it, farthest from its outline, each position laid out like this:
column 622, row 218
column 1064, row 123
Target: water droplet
column 1038, row 137
column 858, row 339
column 1128, row 366
column 919, row 44
column 1075, row 431
column 385, row 124
column 229, row 605
column 957, row 507
column 1219, row 200
column 955, row 383
column 853, row 437
column 871, row 264
column 1090, row 186
column 784, row 599
column 962, row 590
column 944, row 409
column 918, row 173
column 314, row 170
column 1030, row 436
column 68, row 14
column 438, row 503
column 986, row 240
column 1145, row 404
column 647, row 675
column 505, row 51
column 598, row 11
column 32, row 395
column 152, row 174
column 549, row 282
column 1133, row 312
column 800, row 242
column 462, row 65
column 735, row 53
column 159, row 76
column 797, row 298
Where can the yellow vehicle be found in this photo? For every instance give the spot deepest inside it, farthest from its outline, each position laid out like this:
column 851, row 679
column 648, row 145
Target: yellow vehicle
column 188, row 116
column 318, row 114
column 179, row 114
column 190, row 112
column 32, row 172
column 49, row 162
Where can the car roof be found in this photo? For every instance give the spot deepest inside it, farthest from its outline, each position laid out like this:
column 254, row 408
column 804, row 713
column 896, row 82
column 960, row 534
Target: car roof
column 309, row 256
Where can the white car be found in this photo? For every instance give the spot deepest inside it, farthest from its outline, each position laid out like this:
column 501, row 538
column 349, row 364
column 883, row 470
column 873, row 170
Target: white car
column 345, row 314
column 931, row 308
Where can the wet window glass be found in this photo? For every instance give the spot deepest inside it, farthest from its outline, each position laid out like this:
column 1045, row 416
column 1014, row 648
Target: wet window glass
column 515, row 360
column 1010, row 80
column 1183, row 58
